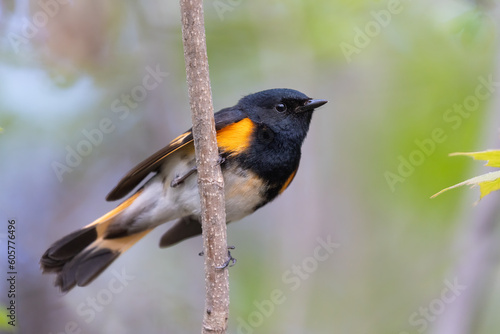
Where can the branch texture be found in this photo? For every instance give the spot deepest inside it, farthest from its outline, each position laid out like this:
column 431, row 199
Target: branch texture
column 210, row 180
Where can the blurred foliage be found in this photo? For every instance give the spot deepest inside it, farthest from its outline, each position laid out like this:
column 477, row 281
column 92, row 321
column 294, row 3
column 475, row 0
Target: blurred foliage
column 412, row 66
column 4, row 325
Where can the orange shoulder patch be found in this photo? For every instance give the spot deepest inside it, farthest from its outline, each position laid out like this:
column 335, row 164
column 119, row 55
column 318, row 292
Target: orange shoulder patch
column 236, row 137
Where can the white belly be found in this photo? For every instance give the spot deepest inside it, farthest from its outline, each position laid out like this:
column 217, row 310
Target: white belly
column 159, row 202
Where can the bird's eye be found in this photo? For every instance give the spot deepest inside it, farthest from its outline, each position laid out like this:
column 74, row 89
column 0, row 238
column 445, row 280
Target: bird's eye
column 280, row 107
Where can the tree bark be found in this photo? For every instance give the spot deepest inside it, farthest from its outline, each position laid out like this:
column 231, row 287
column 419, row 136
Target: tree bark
column 210, row 180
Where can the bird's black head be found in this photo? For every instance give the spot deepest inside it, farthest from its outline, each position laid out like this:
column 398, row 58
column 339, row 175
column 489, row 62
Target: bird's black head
column 284, row 111
column 280, row 120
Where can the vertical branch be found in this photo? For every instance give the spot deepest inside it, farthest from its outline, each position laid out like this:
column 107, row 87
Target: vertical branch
column 210, row 181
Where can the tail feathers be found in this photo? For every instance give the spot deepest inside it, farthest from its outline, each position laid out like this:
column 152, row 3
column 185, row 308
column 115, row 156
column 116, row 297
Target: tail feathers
column 74, row 261
column 66, row 248
column 81, row 256
column 78, row 260
column 85, row 267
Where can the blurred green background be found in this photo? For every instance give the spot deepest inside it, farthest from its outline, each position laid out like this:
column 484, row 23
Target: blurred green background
column 408, row 83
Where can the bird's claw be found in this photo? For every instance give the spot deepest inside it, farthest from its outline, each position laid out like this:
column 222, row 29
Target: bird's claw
column 220, row 161
column 231, row 261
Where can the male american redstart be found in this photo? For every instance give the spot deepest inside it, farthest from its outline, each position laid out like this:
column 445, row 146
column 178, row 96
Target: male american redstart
column 259, row 142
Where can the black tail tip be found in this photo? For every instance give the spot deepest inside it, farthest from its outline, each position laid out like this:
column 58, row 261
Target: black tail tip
column 66, row 248
column 84, row 268
column 74, row 262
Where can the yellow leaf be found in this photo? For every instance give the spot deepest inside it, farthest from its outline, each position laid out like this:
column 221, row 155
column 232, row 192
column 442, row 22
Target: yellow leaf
column 493, row 157
column 488, row 182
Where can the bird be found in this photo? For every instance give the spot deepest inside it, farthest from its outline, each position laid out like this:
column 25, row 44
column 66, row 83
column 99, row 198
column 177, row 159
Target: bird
column 259, row 141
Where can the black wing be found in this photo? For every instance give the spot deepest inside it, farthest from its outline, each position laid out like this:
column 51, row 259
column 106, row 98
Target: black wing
column 153, row 164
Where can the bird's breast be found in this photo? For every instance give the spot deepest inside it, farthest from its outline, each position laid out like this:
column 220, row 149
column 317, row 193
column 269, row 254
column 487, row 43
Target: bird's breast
column 244, row 192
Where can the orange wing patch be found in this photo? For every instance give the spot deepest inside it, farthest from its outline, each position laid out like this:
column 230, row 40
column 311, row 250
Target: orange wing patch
column 236, row 137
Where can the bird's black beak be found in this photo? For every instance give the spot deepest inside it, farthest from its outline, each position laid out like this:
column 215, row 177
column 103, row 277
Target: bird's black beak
column 311, row 105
